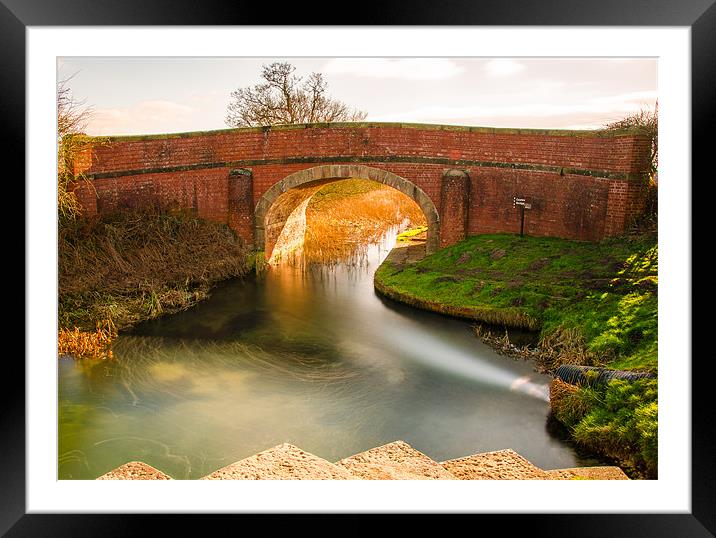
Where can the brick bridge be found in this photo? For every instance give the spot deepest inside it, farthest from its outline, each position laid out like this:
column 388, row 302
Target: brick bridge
column 581, row 184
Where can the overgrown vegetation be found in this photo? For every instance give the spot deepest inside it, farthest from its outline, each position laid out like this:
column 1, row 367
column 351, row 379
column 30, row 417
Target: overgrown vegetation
column 618, row 420
column 645, row 122
column 138, row 265
column 72, row 119
column 87, row 344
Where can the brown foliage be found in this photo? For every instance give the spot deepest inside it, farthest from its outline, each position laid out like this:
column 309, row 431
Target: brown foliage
column 339, row 226
column 139, row 265
column 87, row 344
column 569, row 403
column 566, row 345
column 72, row 119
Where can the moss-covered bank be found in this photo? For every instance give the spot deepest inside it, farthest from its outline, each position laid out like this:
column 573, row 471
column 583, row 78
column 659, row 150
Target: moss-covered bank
column 591, row 303
column 604, row 294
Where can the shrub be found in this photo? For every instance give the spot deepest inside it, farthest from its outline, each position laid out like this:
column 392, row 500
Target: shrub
column 570, row 404
column 623, row 425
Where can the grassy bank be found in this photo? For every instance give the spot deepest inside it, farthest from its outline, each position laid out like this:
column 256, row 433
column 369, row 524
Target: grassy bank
column 590, row 303
column 597, row 302
column 618, row 420
column 122, row 269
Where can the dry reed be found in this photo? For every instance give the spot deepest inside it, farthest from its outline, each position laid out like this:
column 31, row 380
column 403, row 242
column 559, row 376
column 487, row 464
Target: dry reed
column 502, row 344
column 339, row 226
column 569, row 403
column 139, row 265
column 87, row 344
column 563, row 346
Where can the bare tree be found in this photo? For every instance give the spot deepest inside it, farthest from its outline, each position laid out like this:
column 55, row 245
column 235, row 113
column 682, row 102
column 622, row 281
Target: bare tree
column 72, row 114
column 72, row 118
column 283, row 98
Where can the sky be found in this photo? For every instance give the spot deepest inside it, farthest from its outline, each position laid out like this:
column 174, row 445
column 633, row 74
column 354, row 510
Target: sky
column 147, row 95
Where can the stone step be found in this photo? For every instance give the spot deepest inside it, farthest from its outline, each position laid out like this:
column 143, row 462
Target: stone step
column 588, row 473
column 498, row 465
column 135, row 470
column 282, row 462
column 394, row 461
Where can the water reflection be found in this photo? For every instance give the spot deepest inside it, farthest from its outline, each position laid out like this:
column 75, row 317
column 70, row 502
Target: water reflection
column 310, row 357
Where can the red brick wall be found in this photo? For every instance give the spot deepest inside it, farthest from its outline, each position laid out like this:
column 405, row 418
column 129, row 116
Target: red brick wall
column 616, row 154
column 241, row 204
column 580, row 186
column 569, row 206
column 206, row 192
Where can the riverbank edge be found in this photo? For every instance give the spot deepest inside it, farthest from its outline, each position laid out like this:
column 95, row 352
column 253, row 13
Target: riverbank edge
column 489, row 316
column 255, row 262
column 90, row 318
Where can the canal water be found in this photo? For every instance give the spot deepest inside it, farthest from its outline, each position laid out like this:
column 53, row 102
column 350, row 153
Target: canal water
column 309, row 357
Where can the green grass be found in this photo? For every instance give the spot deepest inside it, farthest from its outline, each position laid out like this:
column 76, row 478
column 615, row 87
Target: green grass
column 618, row 420
column 606, row 292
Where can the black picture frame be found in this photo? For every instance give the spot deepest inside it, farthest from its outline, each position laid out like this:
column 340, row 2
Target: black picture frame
column 699, row 15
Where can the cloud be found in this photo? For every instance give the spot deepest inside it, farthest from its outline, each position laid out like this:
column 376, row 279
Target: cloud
column 590, row 113
column 404, row 68
column 643, row 97
column 503, row 67
column 158, row 116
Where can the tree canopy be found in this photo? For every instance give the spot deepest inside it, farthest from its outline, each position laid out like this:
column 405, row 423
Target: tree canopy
column 284, row 98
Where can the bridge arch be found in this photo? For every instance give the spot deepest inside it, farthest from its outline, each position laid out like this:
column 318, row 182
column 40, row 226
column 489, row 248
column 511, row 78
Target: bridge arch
column 287, row 199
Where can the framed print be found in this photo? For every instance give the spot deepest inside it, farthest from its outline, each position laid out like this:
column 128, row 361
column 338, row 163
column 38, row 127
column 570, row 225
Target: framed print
column 50, row 461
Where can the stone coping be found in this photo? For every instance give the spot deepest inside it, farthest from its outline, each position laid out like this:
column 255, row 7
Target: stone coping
column 368, row 125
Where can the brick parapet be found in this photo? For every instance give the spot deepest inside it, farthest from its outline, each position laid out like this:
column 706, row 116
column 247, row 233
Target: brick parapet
column 582, row 185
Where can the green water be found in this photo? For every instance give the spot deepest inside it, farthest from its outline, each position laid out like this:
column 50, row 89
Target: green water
column 315, row 359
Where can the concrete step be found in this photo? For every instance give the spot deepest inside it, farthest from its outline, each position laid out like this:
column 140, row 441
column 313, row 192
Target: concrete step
column 588, row 473
column 394, row 461
column 498, row 465
column 134, row 470
column 282, row 462
column 407, row 253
